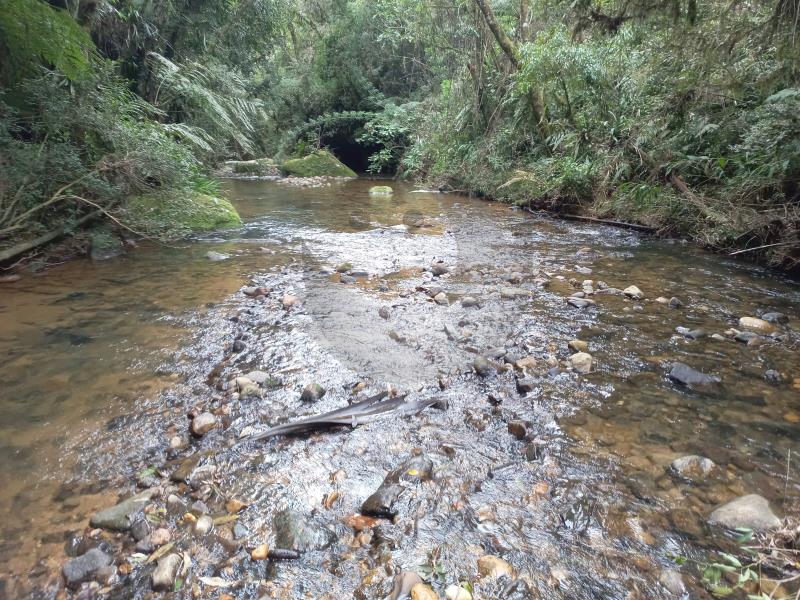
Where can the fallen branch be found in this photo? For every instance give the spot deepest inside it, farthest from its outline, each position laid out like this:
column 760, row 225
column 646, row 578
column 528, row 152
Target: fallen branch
column 621, row 224
column 23, row 247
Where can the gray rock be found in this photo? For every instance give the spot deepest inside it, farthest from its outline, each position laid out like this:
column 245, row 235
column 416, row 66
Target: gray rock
column 451, row 332
column 203, row 423
column 386, row 500
column 216, row 256
column 773, row 377
column 120, row 517
column 312, row 392
column 512, row 293
column 441, row 299
column 692, row 378
column 239, row 346
column 745, row 337
column 347, row 279
column 633, row 292
column 693, row 468
column 439, row 269
column 204, row 525
column 84, row 567
column 166, row 571
column 526, row 385
column 695, row 334
column 581, row 362
column 296, row 531
column 673, row 582
column 483, row 367
column 580, row 302
column 675, row 302
column 775, row 318
column 259, row 377
column 403, row 583
column 383, row 312
column 750, row 512
column 469, row 302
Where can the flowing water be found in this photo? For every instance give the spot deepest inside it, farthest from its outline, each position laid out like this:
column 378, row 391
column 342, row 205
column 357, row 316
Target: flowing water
column 102, row 363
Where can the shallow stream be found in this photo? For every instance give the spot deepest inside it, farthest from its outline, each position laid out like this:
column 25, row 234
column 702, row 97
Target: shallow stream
column 100, row 364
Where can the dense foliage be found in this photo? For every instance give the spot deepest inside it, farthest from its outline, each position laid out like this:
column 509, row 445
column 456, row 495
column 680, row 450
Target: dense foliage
column 678, row 114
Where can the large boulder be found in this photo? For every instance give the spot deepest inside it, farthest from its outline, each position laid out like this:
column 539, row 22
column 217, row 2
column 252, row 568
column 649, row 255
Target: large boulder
column 317, row 164
column 749, row 512
column 177, row 215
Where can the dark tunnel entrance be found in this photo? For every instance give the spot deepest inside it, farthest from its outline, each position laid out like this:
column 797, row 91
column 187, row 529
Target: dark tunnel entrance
column 352, row 153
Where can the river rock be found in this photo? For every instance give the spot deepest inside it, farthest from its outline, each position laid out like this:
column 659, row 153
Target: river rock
column 751, row 512
column 385, row 501
column 120, row 517
column 469, row 302
column 773, row 377
column 84, row 567
column 581, row 362
column 580, row 302
column 204, row 525
column 166, row 571
column 693, row 468
column 483, row 367
column 633, row 292
column 526, row 362
column 439, row 269
column 216, row 256
column 746, row 337
column 525, row 385
column 672, row 582
column 511, row 293
column 756, row 324
column 423, row 591
column 518, row 429
column 441, row 299
column 203, row 423
column 185, row 468
column 692, row 378
column 312, row 392
column 775, row 318
column 675, row 302
column 492, row 567
column 383, row 312
column 288, row 301
column 578, row 345
column 296, row 531
column 404, row 582
column 456, row 592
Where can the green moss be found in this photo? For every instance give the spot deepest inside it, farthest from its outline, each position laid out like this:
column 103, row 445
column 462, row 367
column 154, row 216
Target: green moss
column 317, row 164
column 176, row 215
column 381, row 190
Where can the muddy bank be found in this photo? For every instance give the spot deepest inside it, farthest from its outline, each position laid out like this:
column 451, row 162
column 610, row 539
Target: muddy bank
column 543, row 467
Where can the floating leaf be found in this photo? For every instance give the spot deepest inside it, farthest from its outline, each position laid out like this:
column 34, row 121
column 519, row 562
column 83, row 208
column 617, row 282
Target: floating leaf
column 160, row 552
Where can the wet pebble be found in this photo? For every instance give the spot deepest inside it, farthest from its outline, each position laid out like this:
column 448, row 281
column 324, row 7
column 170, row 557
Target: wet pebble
column 165, row 573
column 581, row 362
column 633, row 292
column 312, row 392
column 518, row 429
column 775, row 318
column 692, row 378
column 84, row 567
column 456, row 592
column 204, row 525
column 483, row 367
column 441, row 299
column 492, row 567
column 675, row 302
column 422, row 591
column 773, row 377
column 404, row 582
column 203, row 423
column 469, row 302
column 578, row 345
column 756, row 324
column 693, row 468
column 121, row 516
column 580, row 302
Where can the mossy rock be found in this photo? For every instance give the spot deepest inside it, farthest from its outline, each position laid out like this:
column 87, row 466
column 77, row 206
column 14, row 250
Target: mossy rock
column 259, row 166
column 381, row 190
column 178, row 214
column 104, row 243
column 317, row 164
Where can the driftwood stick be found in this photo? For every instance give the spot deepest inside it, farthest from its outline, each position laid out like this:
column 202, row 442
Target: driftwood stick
column 23, row 247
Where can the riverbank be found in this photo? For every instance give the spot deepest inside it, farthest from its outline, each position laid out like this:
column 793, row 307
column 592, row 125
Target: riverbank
column 560, row 473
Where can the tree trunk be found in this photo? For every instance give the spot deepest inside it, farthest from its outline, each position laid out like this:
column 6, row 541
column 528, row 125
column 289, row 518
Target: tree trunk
column 503, row 40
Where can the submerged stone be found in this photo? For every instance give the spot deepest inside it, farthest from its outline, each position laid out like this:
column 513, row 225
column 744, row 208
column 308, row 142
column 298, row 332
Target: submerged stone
column 385, row 501
column 84, row 567
column 296, row 531
column 381, row 190
column 692, row 378
column 750, row 512
column 120, row 517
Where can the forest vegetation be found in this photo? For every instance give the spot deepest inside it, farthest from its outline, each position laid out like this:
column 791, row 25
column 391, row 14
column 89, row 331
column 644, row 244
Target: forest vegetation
column 681, row 115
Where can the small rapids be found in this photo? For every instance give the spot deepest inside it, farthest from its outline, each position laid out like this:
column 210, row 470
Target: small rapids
column 451, row 314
